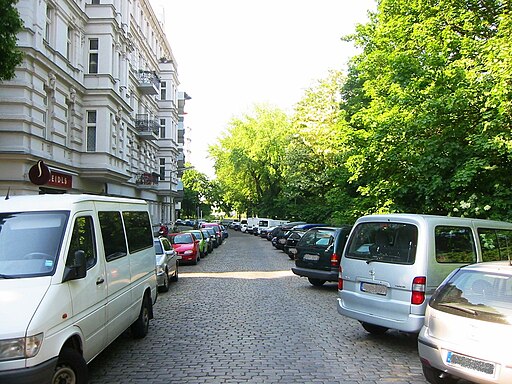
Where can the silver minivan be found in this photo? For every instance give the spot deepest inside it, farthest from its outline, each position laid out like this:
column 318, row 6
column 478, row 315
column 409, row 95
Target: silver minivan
column 393, row 263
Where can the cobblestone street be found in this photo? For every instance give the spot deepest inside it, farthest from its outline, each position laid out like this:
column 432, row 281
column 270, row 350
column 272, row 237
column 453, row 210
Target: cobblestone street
column 241, row 316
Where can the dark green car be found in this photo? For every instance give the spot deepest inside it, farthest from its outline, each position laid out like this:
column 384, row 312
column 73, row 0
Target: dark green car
column 319, row 253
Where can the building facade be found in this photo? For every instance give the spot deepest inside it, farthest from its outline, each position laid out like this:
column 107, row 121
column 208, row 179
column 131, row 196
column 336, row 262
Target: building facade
column 94, row 107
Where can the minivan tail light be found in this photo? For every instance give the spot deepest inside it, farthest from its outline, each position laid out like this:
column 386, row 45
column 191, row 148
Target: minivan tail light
column 418, row 290
column 340, row 279
column 335, row 260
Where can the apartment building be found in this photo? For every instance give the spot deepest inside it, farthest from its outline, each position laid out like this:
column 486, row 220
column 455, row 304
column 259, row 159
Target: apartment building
column 94, row 106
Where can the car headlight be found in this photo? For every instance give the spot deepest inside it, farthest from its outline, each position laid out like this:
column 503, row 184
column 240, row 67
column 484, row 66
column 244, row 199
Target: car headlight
column 20, row 348
column 188, row 252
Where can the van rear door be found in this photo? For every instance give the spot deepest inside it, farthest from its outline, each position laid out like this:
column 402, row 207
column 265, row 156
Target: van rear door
column 379, row 270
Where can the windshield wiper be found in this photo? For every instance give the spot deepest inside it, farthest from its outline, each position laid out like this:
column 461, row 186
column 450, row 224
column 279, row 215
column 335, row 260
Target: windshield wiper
column 2, row 276
column 462, row 309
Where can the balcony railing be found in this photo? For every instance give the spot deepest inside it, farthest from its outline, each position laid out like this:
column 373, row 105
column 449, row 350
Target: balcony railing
column 149, row 83
column 147, row 128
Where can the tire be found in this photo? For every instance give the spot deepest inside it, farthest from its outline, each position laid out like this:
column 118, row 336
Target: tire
column 292, row 257
column 175, row 277
column 433, row 376
column 196, row 260
column 316, row 282
column 141, row 326
column 374, row 329
column 71, row 368
column 165, row 287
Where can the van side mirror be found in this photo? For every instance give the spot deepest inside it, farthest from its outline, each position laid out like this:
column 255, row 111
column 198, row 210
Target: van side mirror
column 76, row 267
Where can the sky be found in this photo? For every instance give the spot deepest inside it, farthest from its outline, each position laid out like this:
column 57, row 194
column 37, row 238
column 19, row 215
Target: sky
column 235, row 54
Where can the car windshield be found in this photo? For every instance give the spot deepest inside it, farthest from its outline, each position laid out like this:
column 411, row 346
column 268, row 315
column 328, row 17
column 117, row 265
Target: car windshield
column 185, row 238
column 30, row 243
column 478, row 295
column 384, row 242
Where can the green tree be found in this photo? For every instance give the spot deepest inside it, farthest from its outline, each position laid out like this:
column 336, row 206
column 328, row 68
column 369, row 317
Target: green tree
column 10, row 25
column 249, row 161
column 429, row 105
column 195, row 191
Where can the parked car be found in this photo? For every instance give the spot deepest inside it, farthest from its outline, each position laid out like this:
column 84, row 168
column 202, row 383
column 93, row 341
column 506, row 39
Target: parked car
column 213, row 237
column 166, row 263
column 224, row 230
column 187, row 246
column 467, row 325
column 235, row 225
column 292, row 239
column 319, row 253
column 282, row 233
column 203, row 245
column 216, row 228
column 393, row 263
column 208, row 239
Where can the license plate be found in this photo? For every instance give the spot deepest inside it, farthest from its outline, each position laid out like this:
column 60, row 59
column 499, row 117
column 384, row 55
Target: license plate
column 470, row 363
column 310, row 257
column 376, row 289
column 282, row 241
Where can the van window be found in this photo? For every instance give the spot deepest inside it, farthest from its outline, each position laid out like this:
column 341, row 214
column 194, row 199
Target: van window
column 386, row 242
column 138, row 230
column 454, row 245
column 496, row 244
column 263, row 223
column 30, row 242
column 112, row 232
column 83, row 239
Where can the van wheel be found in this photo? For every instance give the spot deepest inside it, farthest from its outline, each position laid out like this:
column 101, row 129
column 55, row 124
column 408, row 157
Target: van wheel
column 374, row 329
column 316, row 282
column 71, row 368
column 165, row 287
column 141, row 326
column 433, row 376
column 175, row 277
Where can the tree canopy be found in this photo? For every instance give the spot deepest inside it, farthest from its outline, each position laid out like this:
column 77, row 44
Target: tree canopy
column 10, row 25
column 420, row 122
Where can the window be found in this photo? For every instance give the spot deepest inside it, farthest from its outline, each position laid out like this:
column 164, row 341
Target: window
column 138, row 230
column 112, row 232
column 386, row 242
column 162, row 128
column 83, row 240
column 95, row 2
column 320, row 238
column 163, row 90
column 93, row 55
column 69, row 44
column 496, row 244
column 454, row 245
column 162, row 169
column 48, row 31
column 91, row 131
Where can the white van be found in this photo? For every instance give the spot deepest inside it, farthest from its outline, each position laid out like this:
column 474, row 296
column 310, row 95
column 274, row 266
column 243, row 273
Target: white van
column 392, row 264
column 75, row 272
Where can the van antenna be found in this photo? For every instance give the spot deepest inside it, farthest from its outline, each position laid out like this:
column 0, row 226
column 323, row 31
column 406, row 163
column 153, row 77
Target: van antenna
column 8, row 190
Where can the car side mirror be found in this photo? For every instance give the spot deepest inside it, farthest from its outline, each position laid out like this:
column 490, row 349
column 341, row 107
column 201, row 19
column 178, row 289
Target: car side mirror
column 76, row 268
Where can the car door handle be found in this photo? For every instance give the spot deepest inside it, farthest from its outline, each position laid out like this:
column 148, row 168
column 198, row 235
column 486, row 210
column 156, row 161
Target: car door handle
column 100, row 280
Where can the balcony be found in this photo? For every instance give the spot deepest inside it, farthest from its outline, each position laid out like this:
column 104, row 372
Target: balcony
column 149, row 83
column 146, row 180
column 146, row 127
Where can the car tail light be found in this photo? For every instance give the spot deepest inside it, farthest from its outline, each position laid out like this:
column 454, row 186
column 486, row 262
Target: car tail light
column 335, row 260
column 418, row 290
column 340, row 279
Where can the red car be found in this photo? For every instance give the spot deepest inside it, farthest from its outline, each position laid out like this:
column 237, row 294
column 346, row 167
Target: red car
column 186, row 246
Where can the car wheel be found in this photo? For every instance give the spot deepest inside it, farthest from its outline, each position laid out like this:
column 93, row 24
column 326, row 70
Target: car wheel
column 292, row 257
column 175, row 277
column 165, row 287
column 374, row 329
column 194, row 262
column 433, row 376
column 316, row 282
column 141, row 326
column 71, row 368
